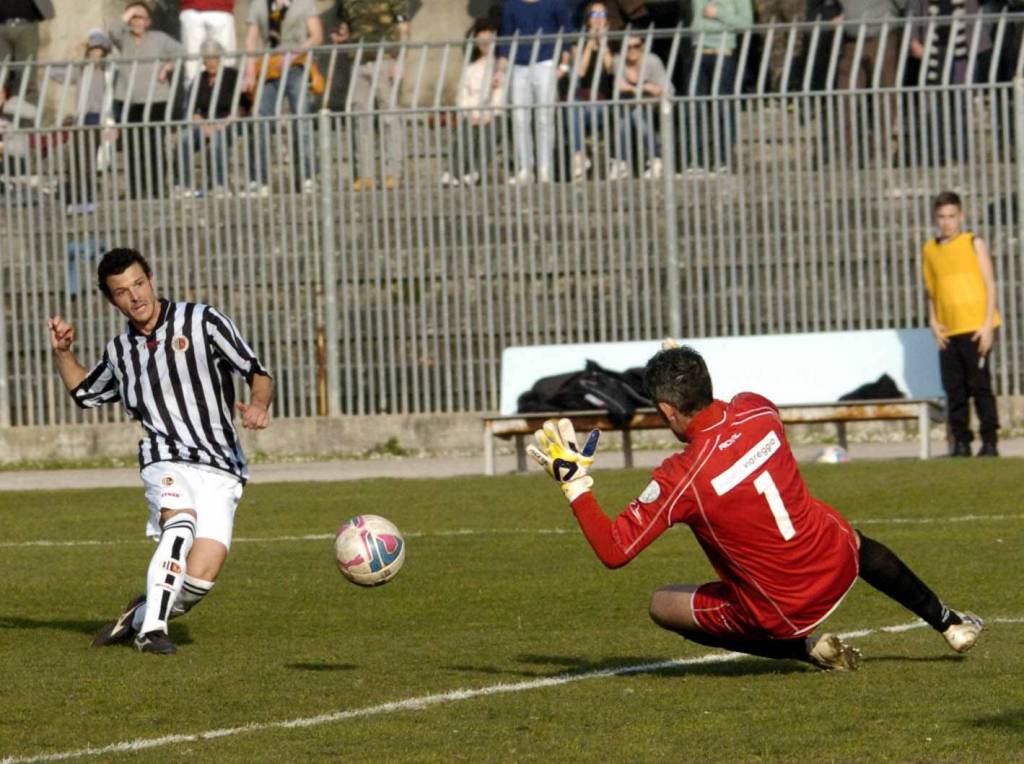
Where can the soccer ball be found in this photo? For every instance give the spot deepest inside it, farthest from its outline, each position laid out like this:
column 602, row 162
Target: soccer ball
column 369, row 550
column 833, row 455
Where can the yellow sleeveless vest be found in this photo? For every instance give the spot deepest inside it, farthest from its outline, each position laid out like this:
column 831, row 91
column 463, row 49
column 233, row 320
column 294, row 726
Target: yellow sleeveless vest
column 953, row 279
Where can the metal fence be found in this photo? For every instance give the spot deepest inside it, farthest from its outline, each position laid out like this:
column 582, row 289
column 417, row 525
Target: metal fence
column 785, row 202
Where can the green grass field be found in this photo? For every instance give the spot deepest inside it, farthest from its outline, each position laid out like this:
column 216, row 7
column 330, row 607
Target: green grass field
column 499, row 593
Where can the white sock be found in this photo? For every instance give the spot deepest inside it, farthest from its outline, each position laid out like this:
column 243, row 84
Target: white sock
column 191, row 594
column 167, row 571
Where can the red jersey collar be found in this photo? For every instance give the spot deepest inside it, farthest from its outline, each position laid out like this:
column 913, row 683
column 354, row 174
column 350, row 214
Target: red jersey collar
column 705, row 419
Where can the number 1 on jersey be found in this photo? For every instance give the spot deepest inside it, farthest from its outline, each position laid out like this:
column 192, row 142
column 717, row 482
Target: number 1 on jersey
column 767, row 488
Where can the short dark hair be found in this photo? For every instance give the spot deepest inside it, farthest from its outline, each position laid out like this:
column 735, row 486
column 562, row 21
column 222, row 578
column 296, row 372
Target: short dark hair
column 118, row 261
column 679, row 377
column 946, row 198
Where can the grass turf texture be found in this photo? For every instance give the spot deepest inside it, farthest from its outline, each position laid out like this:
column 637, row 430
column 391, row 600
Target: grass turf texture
column 283, row 636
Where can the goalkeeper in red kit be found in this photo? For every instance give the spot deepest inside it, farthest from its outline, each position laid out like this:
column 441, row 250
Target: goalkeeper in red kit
column 785, row 559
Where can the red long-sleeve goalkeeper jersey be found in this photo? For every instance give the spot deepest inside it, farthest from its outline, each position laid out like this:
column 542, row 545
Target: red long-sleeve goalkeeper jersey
column 788, row 557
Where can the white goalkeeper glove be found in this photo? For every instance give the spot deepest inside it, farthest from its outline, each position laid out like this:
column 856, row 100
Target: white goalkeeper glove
column 559, row 455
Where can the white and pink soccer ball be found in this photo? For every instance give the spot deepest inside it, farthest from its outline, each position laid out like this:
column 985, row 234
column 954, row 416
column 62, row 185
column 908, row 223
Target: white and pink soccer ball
column 833, row 455
column 369, row 550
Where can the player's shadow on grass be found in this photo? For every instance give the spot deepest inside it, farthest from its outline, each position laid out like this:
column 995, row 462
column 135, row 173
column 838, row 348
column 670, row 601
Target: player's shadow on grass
column 321, row 666
column 89, row 627
column 1012, row 720
column 178, row 632
column 568, row 665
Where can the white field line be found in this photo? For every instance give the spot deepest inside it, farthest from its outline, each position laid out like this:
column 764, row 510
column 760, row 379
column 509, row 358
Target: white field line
column 485, row 532
column 426, row 701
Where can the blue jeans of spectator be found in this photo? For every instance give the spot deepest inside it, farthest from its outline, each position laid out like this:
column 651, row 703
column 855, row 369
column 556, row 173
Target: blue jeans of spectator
column 584, row 119
column 297, row 95
column 192, row 138
column 716, row 110
column 640, row 121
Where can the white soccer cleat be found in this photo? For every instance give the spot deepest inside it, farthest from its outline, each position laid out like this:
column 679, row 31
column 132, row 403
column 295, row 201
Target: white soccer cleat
column 833, row 654
column 962, row 636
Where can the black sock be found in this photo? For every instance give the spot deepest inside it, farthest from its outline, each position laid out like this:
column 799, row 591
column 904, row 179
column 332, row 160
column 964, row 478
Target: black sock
column 780, row 649
column 891, row 576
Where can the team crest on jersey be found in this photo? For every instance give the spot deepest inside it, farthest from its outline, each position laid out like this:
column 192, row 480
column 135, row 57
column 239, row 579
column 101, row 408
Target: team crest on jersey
column 651, row 492
column 180, row 343
column 167, row 480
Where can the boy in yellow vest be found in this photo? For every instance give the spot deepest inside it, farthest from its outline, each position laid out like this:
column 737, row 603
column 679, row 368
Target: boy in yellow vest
column 962, row 313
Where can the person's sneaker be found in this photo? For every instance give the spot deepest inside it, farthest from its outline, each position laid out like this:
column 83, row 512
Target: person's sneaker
column 256, row 190
column 988, row 449
column 449, row 180
column 833, row 654
column 85, row 208
column 120, row 629
column 362, row 184
column 309, row 186
column 580, row 164
column 962, row 636
column 960, row 449
column 521, row 178
column 155, row 642
column 390, row 182
column 655, row 169
column 618, row 170
column 471, row 179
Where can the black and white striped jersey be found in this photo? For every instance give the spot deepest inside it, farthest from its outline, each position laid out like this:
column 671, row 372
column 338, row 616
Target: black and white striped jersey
column 178, row 383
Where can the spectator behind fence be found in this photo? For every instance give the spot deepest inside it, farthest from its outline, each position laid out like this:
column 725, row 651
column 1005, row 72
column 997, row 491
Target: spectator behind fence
column 947, row 30
column 375, row 82
column 533, row 80
column 19, row 36
column 643, row 76
column 479, row 104
column 857, row 73
column 15, row 145
column 206, row 20
column 212, row 122
column 141, row 95
column 594, row 63
column 717, row 22
column 94, row 108
column 290, row 28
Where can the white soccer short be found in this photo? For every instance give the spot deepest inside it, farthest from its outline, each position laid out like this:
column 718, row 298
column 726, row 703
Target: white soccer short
column 211, row 493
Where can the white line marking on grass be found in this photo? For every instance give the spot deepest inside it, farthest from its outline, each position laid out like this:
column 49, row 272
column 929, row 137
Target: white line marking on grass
column 482, row 532
column 426, row 701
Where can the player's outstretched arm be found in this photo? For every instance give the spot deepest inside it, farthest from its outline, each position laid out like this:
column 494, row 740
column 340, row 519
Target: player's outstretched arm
column 256, row 413
column 62, row 336
column 557, row 452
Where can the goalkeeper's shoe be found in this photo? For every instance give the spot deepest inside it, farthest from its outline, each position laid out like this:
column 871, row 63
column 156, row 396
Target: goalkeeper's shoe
column 831, row 653
column 120, row 629
column 155, row 642
column 962, row 636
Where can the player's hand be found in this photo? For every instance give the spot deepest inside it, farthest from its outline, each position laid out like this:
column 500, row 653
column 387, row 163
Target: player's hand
column 62, row 334
column 254, row 415
column 984, row 337
column 557, row 452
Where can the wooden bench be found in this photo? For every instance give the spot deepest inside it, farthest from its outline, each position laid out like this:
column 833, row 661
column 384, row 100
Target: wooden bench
column 804, row 374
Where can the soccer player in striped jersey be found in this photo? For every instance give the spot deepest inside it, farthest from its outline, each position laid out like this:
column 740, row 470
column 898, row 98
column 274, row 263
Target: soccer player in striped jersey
column 785, row 558
column 172, row 369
